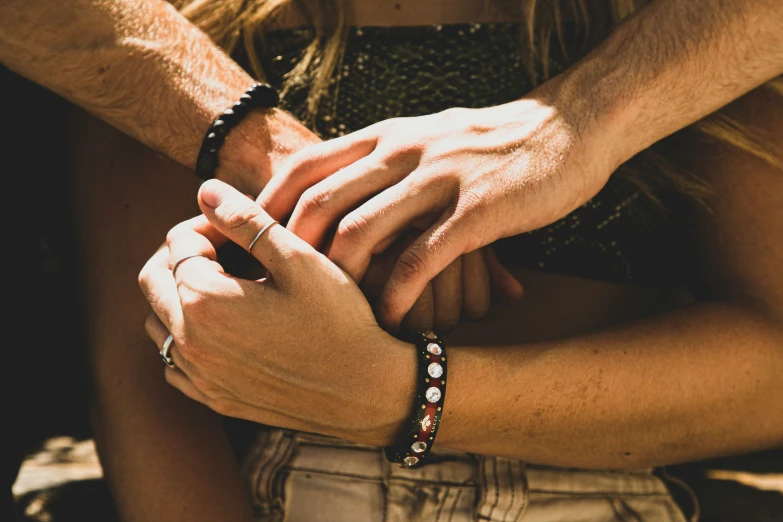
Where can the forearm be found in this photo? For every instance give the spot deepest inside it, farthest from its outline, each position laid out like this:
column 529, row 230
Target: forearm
column 142, row 67
column 693, row 383
column 671, row 64
column 165, row 456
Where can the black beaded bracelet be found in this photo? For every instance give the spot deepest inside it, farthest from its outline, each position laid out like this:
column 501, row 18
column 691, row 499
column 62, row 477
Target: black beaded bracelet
column 431, row 392
column 259, row 95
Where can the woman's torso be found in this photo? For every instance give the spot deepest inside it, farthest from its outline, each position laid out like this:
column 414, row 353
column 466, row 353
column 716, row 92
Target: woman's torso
column 590, row 270
column 619, row 249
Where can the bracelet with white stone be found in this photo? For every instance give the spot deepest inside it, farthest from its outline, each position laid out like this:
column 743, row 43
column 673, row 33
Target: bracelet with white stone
column 431, row 388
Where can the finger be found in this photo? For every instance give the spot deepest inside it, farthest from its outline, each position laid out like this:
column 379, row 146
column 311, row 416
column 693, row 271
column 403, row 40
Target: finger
column 427, row 256
column 447, row 296
column 160, row 289
column 191, row 243
column 242, row 220
column 360, row 233
column 420, row 317
column 158, row 333
column 475, row 285
column 180, row 381
column 505, row 286
column 311, row 165
column 183, row 375
column 323, row 204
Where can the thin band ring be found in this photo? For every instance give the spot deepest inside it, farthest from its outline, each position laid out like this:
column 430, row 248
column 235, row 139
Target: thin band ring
column 176, row 265
column 165, row 351
column 260, row 233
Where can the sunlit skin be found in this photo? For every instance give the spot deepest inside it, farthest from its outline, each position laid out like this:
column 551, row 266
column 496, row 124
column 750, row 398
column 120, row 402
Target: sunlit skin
column 633, row 394
column 711, row 364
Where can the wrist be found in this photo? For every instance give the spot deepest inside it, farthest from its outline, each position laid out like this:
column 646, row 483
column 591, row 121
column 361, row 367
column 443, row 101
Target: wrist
column 393, row 387
column 257, row 147
column 588, row 96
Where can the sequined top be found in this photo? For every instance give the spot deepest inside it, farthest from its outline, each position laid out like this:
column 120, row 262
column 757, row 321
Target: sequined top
column 387, row 72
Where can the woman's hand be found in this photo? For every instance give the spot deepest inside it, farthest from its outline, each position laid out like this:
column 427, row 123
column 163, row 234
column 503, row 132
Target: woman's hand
column 463, row 290
column 299, row 349
column 471, row 175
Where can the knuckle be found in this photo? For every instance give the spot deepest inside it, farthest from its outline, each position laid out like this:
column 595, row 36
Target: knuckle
column 411, row 265
column 385, row 126
column 290, row 257
column 147, row 273
column 454, row 113
column 238, row 218
column 298, row 163
column 299, row 160
column 405, row 154
column 352, row 230
column 144, row 276
column 216, row 405
column 470, row 201
column 315, row 199
column 225, row 407
column 302, row 162
column 175, row 231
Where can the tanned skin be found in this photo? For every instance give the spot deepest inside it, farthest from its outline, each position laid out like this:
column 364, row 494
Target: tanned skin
column 675, row 62
column 140, row 66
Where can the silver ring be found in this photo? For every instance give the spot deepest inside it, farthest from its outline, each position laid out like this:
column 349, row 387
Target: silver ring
column 260, row 233
column 176, row 265
column 165, row 352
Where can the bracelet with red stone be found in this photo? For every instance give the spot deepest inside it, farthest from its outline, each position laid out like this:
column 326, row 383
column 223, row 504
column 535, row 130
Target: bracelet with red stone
column 431, row 393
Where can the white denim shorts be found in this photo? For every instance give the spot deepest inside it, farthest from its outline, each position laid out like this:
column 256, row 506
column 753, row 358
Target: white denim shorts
column 298, row 477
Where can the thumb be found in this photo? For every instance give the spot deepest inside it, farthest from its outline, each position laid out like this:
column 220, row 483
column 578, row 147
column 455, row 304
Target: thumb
column 245, row 223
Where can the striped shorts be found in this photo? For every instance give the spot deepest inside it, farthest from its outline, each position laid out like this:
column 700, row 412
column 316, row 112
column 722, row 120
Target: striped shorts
column 298, row 477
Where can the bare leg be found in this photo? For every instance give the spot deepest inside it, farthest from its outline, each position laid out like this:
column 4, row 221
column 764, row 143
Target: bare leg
column 166, row 457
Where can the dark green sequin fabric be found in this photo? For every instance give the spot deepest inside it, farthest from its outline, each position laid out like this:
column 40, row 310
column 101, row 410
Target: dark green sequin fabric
column 392, row 72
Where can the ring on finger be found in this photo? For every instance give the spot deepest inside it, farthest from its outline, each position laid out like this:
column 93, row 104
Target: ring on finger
column 260, row 233
column 165, row 351
column 176, row 265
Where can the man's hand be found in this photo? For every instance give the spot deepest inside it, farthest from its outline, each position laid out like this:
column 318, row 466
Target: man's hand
column 478, row 175
column 464, row 177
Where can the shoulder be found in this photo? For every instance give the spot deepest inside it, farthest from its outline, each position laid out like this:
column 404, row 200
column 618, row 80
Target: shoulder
column 741, row 143
column 739, row 241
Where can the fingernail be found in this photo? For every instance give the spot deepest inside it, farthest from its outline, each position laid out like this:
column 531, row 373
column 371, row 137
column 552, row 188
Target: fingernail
column 211, row 193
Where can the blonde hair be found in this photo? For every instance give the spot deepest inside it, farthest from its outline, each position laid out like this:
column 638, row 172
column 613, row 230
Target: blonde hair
column 241, row 24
